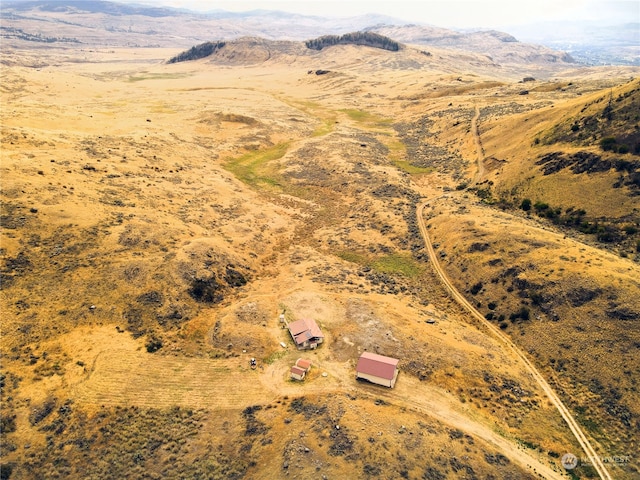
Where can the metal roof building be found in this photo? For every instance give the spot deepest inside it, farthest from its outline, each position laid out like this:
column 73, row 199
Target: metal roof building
column 306, row 333
column 377, row 369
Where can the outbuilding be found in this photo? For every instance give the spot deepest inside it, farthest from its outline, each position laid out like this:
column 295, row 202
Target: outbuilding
column 298, row 373
column 377, row 369
column 304, row 364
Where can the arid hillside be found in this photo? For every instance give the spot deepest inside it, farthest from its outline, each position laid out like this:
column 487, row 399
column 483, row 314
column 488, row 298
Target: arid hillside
column 575, row 165
column 500, row 47
column 71, row 24
column 162, row 222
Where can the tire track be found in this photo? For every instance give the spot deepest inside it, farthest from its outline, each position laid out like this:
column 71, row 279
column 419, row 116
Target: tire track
column 438, row 404
column 582, row 439
column 479, row 147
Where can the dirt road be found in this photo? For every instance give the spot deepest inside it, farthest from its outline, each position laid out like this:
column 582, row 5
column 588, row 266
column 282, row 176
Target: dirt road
column 479, row 148
column 590, row 452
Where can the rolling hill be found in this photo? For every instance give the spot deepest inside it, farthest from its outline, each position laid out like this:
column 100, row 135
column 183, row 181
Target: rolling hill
column 123, row 25
column 159, row 219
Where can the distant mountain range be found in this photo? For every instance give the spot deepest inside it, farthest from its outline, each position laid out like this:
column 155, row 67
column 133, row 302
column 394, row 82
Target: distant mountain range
column 587, row 42
column 138, row 25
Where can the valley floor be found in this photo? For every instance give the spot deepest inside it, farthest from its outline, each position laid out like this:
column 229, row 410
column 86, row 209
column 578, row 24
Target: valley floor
column 158, row 219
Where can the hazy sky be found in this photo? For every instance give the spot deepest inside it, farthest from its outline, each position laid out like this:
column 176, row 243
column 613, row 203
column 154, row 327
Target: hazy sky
column 443, row 13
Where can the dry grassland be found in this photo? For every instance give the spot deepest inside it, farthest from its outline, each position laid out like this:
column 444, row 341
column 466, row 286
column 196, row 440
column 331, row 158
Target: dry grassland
column 157, row 219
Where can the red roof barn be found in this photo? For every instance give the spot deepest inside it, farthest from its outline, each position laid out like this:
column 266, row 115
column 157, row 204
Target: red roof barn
column 377, row 369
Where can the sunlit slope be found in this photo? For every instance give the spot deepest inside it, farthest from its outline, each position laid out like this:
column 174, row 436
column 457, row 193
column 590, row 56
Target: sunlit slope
column 555, row 154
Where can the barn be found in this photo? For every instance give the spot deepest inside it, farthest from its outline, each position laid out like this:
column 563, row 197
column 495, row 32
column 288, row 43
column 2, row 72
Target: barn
column 377, row 369
column 306, row 333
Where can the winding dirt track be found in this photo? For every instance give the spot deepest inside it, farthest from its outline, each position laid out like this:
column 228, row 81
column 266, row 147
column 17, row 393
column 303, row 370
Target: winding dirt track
column 594, row 459
column 479, row 147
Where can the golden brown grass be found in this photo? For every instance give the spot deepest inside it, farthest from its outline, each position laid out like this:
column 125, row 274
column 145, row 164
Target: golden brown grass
column 129, row 194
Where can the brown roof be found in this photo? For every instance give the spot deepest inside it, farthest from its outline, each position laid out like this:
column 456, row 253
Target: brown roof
column 377, row 365
column 297, row 370
column 305, row 329
column 302, row 363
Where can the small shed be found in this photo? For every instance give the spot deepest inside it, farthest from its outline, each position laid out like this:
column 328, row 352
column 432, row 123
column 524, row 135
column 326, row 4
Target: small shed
column 306, row 333
column 303, row 364
column 298, row 373
column 377, row 369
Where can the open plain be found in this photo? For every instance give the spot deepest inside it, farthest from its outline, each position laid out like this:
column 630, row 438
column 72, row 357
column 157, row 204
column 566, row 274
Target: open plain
column 157, row 219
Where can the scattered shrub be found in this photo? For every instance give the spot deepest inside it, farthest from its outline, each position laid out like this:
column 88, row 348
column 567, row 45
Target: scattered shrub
column 6, row 469
column 7, row 424
column 205, row 290
column 476, row 288
column 371, row 470
column 41, row 412
column 525, row 205
column 522, row 314
column 153, row 344
column 540, row 207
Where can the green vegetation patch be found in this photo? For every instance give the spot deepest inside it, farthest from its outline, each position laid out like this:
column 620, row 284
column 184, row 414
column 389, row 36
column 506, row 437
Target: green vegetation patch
column 326, row 117
column 354, row 257
column 253, row 169
column 362, row 116
column 413, row 169
column 325, row 128
column 275, row 356
column 398, row 263
column 156, row 76
column 397, row 155
column 395, row 263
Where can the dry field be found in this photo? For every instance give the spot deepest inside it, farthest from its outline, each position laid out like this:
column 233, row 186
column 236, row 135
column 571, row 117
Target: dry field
column 157, row 219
